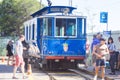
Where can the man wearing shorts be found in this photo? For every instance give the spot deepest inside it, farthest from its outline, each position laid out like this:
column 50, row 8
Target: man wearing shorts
column 18, row 57
column 100, row 51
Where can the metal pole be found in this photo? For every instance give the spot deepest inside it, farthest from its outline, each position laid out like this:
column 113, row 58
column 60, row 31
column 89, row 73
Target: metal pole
column 40, row 3
column 107, row 26
column 107, row 22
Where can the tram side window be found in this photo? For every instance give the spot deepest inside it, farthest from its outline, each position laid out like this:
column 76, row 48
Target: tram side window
column 47, row 23
column 65, row 27
column 33, row 31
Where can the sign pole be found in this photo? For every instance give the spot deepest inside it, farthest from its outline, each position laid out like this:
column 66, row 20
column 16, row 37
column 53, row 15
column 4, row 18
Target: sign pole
column 107, row 26
column 104, row 18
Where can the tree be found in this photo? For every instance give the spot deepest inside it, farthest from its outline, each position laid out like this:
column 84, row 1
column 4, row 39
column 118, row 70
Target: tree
column 13, row 13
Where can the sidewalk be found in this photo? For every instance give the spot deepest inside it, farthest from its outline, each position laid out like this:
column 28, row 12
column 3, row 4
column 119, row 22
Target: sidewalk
column 107, row 71
column 6, row 73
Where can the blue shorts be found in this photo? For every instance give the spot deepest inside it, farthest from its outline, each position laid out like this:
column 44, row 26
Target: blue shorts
column 100, row 62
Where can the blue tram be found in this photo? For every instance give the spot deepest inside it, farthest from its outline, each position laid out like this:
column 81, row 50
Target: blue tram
column 60, row 36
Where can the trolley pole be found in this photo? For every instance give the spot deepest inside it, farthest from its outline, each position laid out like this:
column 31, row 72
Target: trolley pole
column 40, row 4
column 70, row 2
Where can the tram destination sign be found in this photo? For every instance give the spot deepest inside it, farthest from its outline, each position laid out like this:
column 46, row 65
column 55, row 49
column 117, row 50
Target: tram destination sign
column 54, row 9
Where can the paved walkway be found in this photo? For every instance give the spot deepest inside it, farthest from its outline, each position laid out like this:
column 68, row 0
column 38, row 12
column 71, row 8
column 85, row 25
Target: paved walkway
column 6, row 73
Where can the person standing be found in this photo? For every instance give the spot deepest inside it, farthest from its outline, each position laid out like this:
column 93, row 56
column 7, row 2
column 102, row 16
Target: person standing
column 118, row 66
column 9, row 49
column 87, row 60
column 19, row 57
column 96, row 41
column 25, row 54
column 112, row 48
column 100, row 51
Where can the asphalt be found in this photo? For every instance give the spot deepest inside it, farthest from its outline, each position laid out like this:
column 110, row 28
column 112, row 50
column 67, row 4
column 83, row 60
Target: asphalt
column 6, row 73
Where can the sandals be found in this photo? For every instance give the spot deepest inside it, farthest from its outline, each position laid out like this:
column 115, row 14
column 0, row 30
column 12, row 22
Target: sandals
column 14, row 78
column 24, row 77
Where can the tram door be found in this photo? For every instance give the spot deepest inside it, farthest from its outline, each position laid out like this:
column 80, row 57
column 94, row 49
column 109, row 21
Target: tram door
column 44, row 30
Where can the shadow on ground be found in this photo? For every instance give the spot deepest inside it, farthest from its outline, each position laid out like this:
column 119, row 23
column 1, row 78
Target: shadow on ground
column 5, row 68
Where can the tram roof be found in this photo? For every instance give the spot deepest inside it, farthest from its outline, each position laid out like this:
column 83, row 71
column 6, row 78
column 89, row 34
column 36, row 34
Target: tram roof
column 53, row 9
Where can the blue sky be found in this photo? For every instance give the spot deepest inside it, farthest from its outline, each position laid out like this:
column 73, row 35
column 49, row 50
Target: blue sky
column 92, row 9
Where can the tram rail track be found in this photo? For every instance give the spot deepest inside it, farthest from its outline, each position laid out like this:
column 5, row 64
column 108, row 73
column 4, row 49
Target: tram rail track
column 87, row 75
column 71, row 74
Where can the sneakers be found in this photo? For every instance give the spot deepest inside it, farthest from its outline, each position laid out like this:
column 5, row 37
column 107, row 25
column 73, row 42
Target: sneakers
column 95, row 78
column 14, row 78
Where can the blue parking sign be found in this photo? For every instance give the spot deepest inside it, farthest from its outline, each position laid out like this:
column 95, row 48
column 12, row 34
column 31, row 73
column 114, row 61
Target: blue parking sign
column 103, row 17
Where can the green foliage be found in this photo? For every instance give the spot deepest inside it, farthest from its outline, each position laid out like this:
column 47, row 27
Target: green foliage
column 13, row 13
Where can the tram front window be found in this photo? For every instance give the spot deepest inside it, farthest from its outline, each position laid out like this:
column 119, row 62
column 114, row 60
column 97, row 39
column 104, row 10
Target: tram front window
column 65, row 27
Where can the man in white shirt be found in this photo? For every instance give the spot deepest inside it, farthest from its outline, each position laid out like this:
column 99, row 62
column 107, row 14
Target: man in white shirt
column 18, row 57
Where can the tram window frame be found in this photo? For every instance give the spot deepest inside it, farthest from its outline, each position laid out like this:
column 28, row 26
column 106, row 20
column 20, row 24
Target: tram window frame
column 26, row 32
column 33, row 31
column 47, row 26
column 66, row 33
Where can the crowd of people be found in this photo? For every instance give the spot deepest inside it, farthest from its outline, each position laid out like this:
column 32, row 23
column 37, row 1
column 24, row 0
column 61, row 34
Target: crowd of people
column 103, row 51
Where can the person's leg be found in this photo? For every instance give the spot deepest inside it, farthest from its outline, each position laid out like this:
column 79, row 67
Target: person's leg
column 96, row 72
column 86, row 64
column 22, row 69
column 113, row 64
column 8, row 60
column 94, row 62
column 97, row 67
column 14, row 71
column 26, row 63
column 17, row 63
column 103, row 72
column 118, row 66
column 117, row 54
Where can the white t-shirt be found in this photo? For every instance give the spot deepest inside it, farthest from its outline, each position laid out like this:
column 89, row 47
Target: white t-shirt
column 19, row 48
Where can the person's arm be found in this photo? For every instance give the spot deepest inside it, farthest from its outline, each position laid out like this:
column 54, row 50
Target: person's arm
column 112, row 48
column 17, row 48
column 94, row 51
column 107, row 50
